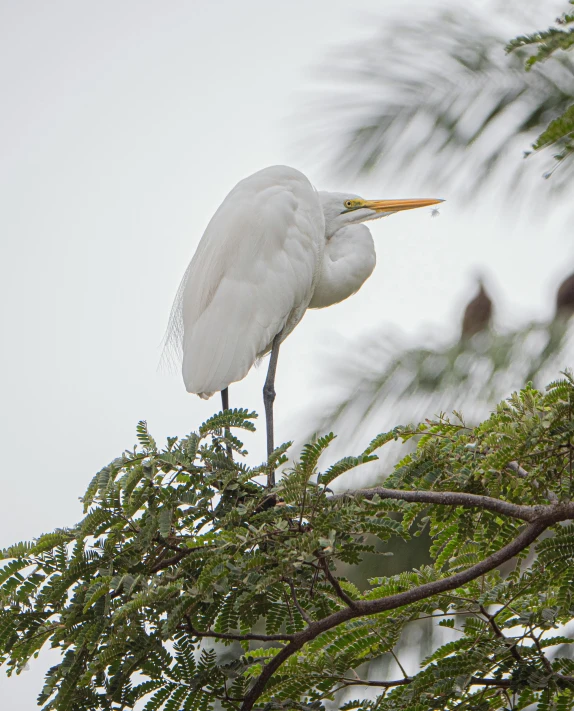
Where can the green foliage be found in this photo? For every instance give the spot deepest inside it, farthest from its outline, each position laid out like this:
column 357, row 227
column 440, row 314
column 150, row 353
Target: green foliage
column 549, row 41
column 560, row 131
column 187, row 579
column 389, row 377
column 433, row 99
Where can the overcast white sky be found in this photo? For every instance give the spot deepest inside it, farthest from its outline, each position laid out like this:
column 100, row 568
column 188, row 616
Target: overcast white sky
column 123, row 126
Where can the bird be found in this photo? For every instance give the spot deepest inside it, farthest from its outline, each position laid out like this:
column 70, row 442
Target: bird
column 478, row 313
column 565, row 299
column 274, row 248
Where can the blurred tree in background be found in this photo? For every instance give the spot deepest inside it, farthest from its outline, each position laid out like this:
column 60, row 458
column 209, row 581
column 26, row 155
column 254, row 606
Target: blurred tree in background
column 551, row 43
column 449, row 98
column 388, row 378
column 461, row 107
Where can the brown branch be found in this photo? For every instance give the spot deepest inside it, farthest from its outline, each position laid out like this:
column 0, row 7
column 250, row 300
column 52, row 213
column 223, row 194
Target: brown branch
column 368, row 682
column 501, row 683
column 335, row 584
column 174, row 560
column 237, row 637
column 447, row 498
column 541, row 518
column 475, row 681
column 304, row 614
column 160, row 563
column 168, row 544
column 544, row 658
column 169, row 561
column 157, row 558
column 499, row 633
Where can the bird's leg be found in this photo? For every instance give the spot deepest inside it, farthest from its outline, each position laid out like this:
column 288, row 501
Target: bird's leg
column 225, row 399
column 268, row 398
column 225, row 406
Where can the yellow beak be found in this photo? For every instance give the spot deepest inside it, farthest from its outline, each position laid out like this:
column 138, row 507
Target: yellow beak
column 398, row 205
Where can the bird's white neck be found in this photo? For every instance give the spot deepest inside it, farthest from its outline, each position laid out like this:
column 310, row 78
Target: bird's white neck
column 348, row 261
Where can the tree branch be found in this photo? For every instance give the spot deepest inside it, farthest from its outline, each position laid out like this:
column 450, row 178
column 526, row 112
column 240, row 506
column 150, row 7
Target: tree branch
column 544, row 658
column 237, row 637
column 499, row 633
column 475, row 681
column 515, row 466
column 335, row 584
column 304, row 614
column 168, row 544
column 501, row 683
column 449, row 498
column 368, row 682
column 174, row 560
column 541, row 517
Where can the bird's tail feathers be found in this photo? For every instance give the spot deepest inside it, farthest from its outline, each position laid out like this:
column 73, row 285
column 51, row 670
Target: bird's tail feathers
column 172, row 342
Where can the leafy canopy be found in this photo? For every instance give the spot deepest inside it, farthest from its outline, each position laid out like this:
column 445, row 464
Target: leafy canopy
column 190, row 585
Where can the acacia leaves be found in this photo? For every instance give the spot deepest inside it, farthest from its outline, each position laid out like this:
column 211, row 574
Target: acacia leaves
column 560, row 131
column 189, row 584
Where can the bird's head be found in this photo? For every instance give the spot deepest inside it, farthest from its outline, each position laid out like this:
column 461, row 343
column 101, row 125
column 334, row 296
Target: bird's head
column 341, row 209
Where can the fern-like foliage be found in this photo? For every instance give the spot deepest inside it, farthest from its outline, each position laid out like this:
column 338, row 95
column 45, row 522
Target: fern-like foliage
column 433, row 99
column 390, row 379
column 551, row 43
column 189, row 585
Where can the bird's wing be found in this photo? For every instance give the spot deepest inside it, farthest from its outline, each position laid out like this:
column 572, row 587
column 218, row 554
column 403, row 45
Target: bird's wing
column 252, row 275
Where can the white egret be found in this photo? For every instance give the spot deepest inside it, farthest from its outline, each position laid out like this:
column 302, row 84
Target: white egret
column 274, row 248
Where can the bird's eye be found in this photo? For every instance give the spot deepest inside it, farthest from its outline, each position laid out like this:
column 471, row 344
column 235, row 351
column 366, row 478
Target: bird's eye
column 349, row 203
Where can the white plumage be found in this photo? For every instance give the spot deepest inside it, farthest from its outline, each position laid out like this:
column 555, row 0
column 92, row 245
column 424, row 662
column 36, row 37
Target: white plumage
column 348, row 261
column 274, row 248
column 253, row 275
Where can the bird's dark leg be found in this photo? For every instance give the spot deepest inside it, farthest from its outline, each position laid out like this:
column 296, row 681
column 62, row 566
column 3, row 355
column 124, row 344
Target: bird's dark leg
column 268, row 398
column 225, row 406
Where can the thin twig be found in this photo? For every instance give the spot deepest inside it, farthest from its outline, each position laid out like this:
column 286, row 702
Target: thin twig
column 304, row 614
column 498, row 633
column 128, row 520
column 335, row 584
column 176, row 558
column 474, row 681
column 168, row 544
column 400, row 666
column 367, row 682
column 238, row 637
column 544, row 658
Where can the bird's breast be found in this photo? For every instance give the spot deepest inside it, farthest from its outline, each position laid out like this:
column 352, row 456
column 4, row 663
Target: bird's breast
column 348, row 261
